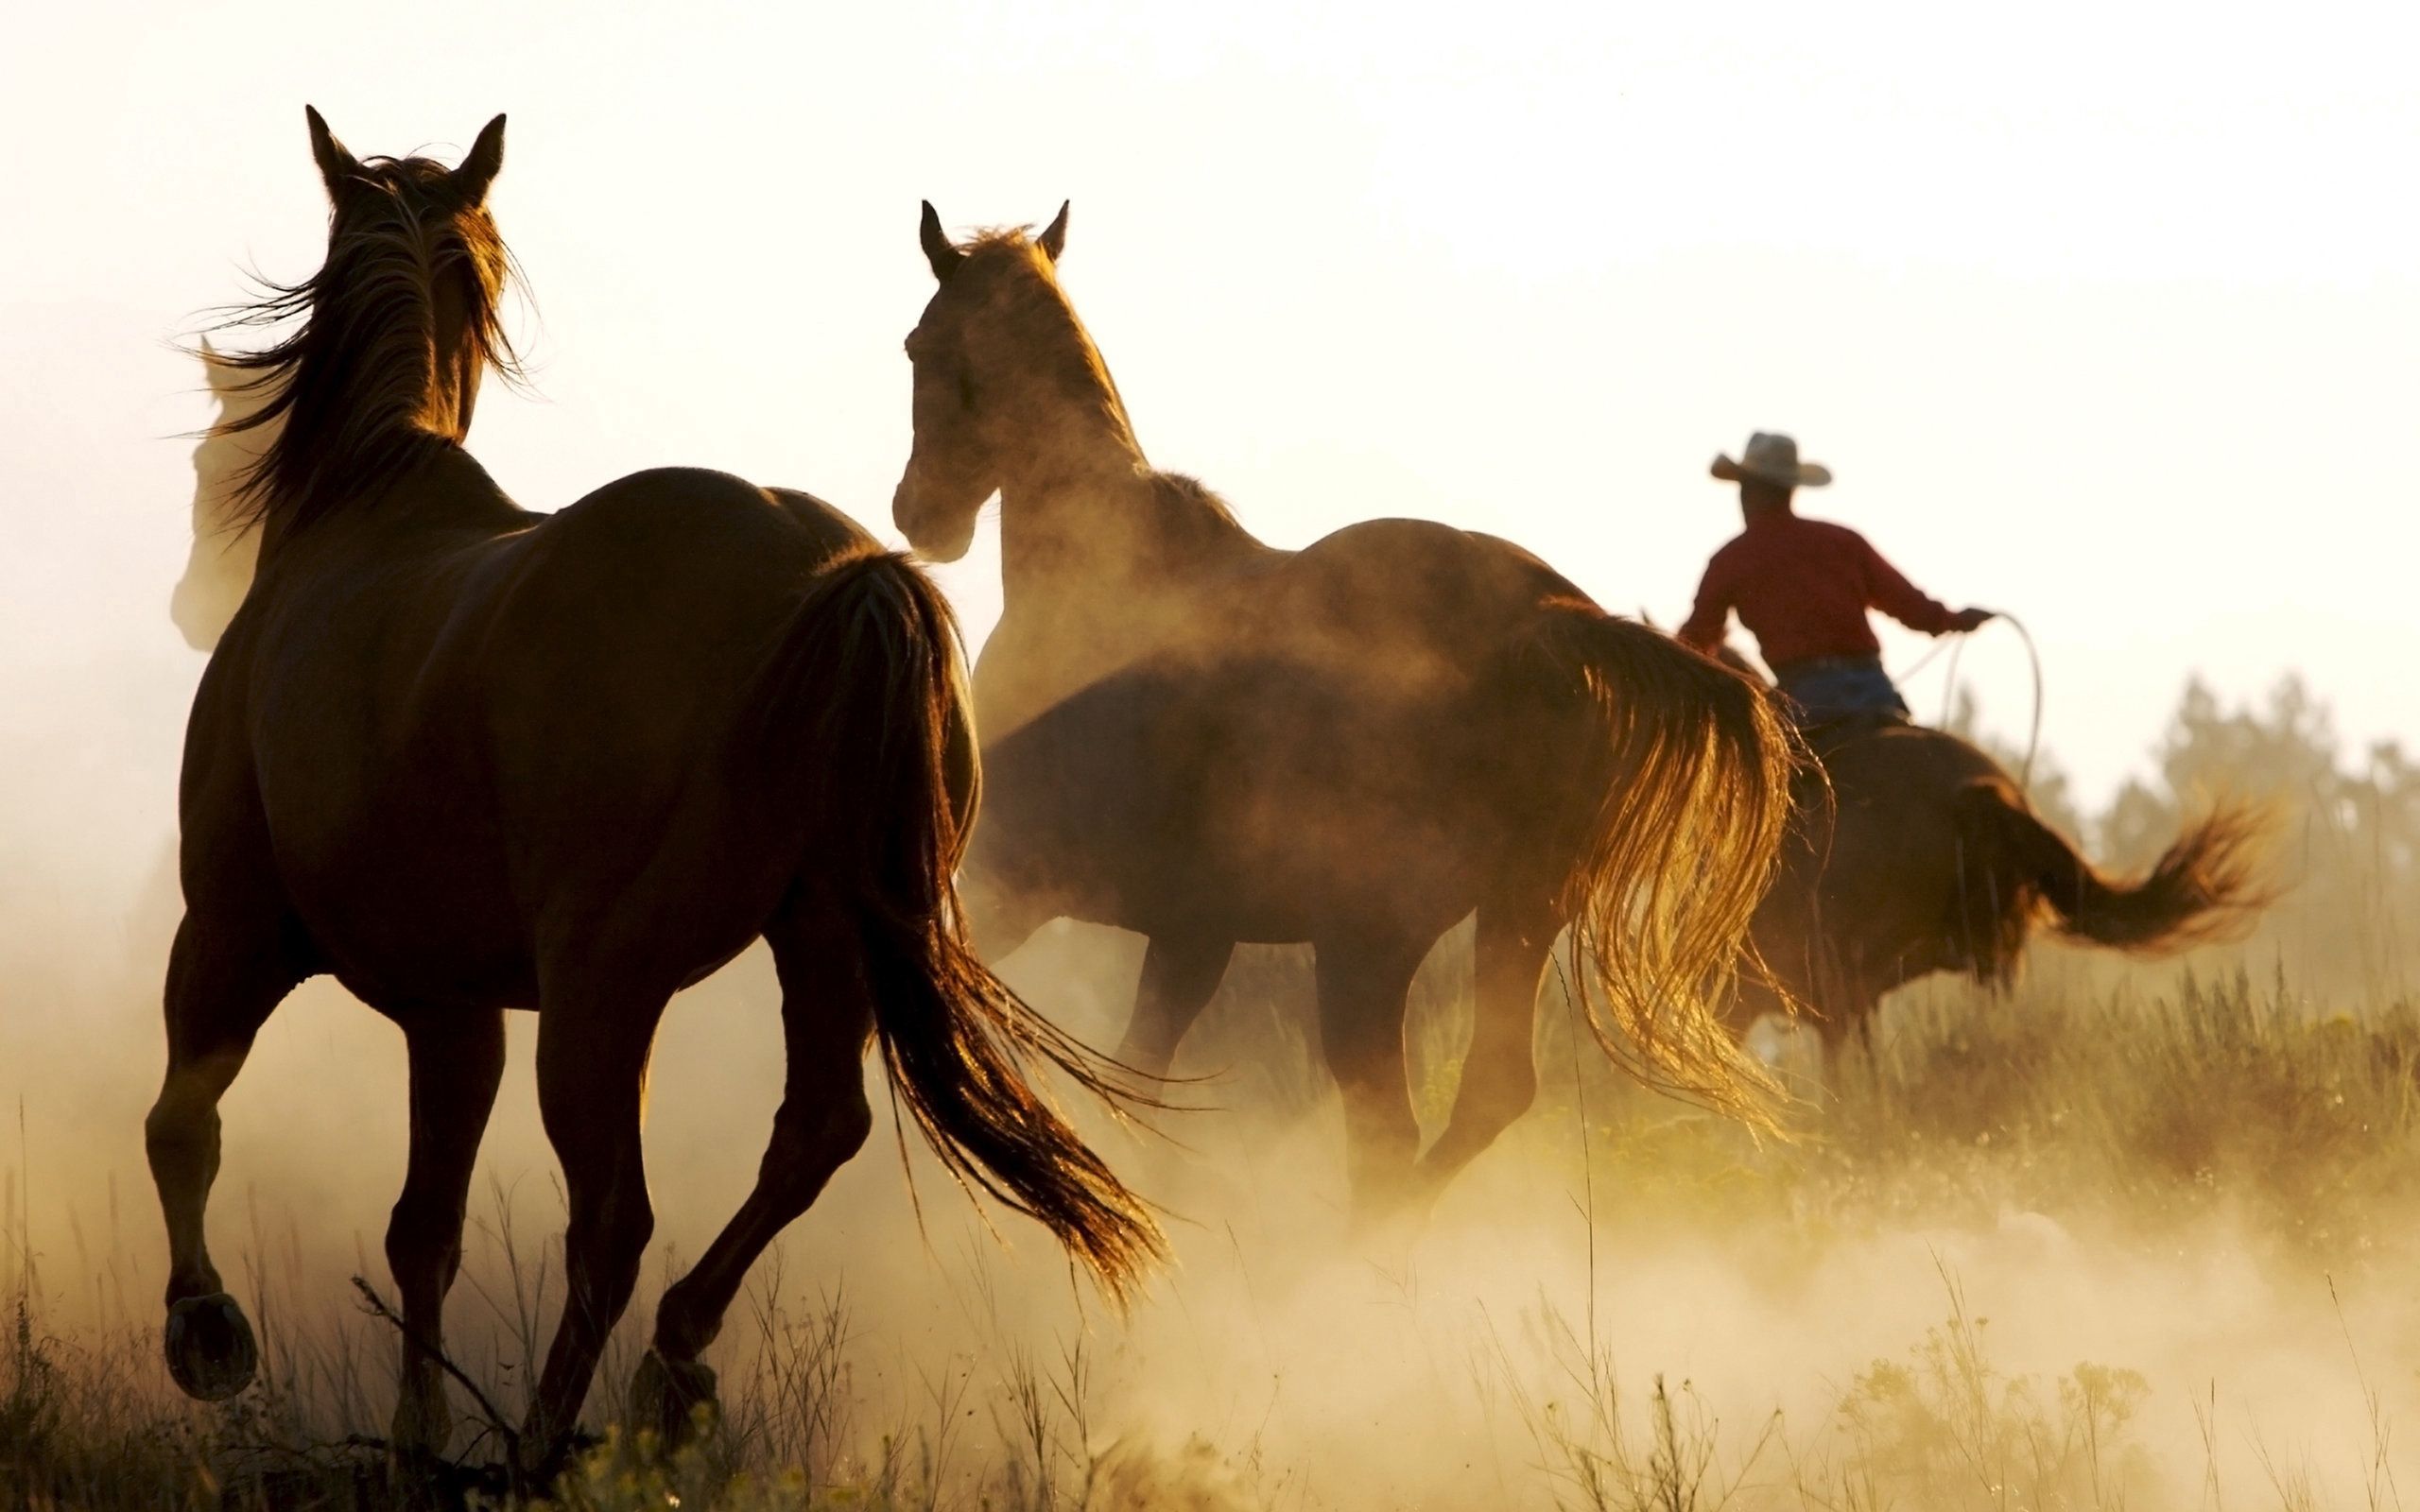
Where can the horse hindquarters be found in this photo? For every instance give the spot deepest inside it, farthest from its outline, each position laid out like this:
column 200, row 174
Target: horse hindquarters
column 868, row 686
column 1680, row 822
column 1656, row 852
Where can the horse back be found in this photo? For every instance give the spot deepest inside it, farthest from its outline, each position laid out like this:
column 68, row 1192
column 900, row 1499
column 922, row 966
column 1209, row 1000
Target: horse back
column 1399, row 585
column 1403, row 611
column 1370, row 719
column 517, row 722
column 1383, row 602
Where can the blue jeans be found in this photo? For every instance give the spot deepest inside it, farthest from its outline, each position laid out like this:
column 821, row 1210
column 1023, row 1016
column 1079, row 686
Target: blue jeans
column 1831, row 687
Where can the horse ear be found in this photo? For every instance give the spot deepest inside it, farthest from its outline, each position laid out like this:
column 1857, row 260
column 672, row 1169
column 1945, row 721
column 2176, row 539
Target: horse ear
column 486, row 159
column 1053, row 239
column 938, row 249
column 337, row 165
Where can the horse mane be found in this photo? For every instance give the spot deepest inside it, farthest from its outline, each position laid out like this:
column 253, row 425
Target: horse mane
column 1047, row 326
column 1194, row 519
column 1063, row 352
column 348, row 390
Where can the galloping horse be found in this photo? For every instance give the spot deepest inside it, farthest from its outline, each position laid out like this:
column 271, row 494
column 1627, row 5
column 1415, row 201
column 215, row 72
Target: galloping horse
column 1926, row 857
column 1208, row 741
column 467, row 757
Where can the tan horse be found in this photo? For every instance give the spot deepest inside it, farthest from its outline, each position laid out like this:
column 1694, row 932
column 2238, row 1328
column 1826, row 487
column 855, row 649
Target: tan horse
column 466, row 758
column 1926, row 857
column 1196, row 736
column 218, row 569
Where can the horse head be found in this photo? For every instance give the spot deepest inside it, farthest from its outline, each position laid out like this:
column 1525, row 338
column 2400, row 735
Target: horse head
column 415, row 218
column 1000, row 362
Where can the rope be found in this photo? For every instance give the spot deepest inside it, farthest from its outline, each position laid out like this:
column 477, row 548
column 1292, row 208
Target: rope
column 1949, row 684
column 1908, row 673
column 1956, row 646
column 2034, row 735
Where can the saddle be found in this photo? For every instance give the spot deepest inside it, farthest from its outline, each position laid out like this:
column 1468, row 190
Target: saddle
column 1827, row 736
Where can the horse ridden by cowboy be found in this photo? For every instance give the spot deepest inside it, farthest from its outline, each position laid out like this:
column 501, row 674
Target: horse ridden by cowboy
column 1803, row 588
column 1920, row 854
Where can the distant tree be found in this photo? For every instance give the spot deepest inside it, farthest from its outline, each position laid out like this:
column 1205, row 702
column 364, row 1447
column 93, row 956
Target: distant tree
column 2347, row 831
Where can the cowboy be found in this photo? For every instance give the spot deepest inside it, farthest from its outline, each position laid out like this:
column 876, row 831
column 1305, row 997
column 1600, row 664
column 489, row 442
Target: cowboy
column 1803, row 588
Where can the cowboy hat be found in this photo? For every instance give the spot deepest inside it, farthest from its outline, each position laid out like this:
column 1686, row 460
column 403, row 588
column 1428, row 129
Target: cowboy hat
column 1772, row 458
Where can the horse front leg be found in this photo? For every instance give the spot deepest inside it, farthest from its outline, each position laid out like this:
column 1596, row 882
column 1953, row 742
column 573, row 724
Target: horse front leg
column 225, row 977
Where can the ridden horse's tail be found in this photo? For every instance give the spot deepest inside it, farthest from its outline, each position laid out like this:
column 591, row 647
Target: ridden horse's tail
column 1692, row 797
column 2204, row 885
column 869, row 677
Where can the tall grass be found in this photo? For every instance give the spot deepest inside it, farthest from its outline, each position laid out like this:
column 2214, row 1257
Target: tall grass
column 2137, row 1114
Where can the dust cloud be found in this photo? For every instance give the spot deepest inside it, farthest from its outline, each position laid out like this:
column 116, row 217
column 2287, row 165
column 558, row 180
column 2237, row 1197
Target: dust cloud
column 2133, row 1234
column 1808, row 1330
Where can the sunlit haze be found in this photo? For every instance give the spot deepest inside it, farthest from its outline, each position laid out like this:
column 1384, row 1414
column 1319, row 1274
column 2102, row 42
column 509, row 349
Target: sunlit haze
column 2103, row 317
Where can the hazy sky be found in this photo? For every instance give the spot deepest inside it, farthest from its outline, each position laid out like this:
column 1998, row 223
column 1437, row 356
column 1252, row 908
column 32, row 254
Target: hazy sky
column 2104, row 314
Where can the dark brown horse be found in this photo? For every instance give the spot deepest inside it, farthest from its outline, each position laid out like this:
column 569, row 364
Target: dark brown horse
column 1208, row 741
column 1926, row 857
column 468, row 758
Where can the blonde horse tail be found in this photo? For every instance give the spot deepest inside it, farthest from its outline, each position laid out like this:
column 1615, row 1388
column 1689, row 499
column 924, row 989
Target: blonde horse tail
column 1691, row 781
column 870, row 670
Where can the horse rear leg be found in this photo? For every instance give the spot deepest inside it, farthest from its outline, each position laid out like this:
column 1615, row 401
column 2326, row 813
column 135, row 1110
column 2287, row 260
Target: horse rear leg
column 595, row 1028
column 827, row 1020
column 457, row 1060
column 223, row 981
column 1364, row 980
column 998, row 921
column 1501, row 1073
column 1849, row 1009
column 1180, row 977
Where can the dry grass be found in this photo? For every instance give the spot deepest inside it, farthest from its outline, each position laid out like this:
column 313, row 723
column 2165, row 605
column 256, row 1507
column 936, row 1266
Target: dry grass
column 2138, row 1116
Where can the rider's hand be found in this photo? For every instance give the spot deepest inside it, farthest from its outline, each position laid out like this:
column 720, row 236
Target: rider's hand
column 1970, row 619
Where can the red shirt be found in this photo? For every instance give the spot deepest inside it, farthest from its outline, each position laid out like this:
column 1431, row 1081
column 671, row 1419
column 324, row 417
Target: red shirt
column 1802, row 588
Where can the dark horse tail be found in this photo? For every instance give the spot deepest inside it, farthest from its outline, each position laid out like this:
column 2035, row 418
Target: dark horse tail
column 2013, row 867
column 1689, row 782
column 868, row 674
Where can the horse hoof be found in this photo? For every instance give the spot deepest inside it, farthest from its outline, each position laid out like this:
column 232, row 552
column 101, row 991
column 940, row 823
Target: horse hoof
column 210, row 1347
column 534, row 1466
column 422, row 1425
column 675, row 1398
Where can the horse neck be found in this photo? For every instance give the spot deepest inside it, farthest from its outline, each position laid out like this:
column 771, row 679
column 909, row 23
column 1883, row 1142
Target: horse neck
column 408, row 465
column 371, row 418
column 1061, row 520
column 1086, row 517
column 444, row 490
